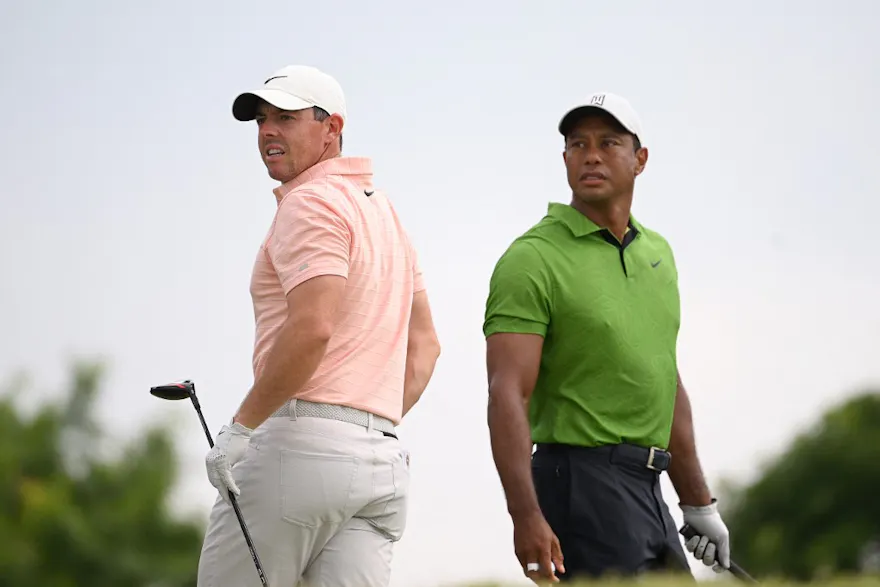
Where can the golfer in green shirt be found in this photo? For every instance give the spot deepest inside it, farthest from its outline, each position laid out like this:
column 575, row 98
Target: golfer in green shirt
column 581, row 324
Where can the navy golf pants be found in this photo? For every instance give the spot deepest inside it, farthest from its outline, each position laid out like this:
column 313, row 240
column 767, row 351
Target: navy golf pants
column 605, row 506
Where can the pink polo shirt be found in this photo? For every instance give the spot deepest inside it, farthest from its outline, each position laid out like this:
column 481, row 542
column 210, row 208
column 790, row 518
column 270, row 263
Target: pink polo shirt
column 331, row 220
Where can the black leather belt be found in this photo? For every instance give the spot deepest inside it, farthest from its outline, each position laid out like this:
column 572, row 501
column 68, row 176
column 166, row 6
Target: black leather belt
column 652, row 458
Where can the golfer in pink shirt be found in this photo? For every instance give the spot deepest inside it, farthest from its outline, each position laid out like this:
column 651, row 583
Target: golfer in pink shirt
column 345, row 345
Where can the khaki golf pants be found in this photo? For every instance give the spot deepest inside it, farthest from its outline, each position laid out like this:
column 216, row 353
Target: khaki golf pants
column 324, row 501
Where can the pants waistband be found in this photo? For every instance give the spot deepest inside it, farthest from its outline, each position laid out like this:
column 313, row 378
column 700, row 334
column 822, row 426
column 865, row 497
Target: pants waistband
column 652, row 457
column 297, row 408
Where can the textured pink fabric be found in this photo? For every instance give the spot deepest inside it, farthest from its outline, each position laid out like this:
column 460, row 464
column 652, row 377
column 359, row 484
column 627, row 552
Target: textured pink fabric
column 327, row 224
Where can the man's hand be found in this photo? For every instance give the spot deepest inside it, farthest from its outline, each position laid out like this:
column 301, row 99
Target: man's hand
column 535, row 543
column 232, row 443
column 712, row 541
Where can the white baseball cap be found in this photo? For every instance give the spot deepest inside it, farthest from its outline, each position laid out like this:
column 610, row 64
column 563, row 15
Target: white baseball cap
column 295, row 87
column 615, row 105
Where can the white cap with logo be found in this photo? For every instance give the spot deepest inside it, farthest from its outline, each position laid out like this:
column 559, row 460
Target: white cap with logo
column 615, row 105
column 294, row 87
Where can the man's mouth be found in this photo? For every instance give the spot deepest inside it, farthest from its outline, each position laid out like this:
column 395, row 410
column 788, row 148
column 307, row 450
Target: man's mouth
column 274, row 151
column 592, row 176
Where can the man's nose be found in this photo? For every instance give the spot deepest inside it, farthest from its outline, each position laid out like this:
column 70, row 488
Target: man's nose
column 593, row 155
column 268, row 129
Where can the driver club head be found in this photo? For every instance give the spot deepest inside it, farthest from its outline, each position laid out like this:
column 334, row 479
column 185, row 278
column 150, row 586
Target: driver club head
column 174, row 391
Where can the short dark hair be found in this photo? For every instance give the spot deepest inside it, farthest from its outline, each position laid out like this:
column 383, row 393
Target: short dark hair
column 321, row 114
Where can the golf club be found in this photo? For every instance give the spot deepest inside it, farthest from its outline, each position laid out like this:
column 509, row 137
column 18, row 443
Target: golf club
column 187, row 390
column 736, row 570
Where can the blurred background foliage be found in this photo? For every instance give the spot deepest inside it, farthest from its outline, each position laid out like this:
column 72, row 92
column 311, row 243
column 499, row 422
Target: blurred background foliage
column 72, row 516
column 814, row 509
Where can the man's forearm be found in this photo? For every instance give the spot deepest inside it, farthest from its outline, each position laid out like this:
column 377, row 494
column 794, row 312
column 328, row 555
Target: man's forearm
column 512, row 449
column 684, row 470
column 420, row 362
column 293, row 360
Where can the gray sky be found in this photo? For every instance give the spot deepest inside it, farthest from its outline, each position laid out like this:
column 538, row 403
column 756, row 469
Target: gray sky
column 134, row 204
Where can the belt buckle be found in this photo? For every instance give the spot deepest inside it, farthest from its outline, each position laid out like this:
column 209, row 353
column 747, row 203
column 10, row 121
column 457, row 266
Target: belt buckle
column 650, row 464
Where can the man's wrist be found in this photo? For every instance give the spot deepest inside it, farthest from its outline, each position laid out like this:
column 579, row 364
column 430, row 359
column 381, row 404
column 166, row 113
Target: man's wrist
column 708, row 504
column 519, row 512
column 696, row 497
column 245, row 415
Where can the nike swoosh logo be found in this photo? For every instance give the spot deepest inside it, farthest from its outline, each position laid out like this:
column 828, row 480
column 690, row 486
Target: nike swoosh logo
column 654, row 265
column 368, row 194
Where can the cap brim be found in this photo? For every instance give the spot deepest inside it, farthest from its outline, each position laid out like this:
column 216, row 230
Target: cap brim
column 575, row 113
column 244, row 107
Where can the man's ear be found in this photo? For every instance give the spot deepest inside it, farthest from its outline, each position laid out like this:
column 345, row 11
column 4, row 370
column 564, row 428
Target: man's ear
column 336, row 123
column 641, row 160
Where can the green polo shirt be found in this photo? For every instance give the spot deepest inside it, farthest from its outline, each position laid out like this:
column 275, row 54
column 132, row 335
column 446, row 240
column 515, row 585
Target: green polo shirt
column 609, row 313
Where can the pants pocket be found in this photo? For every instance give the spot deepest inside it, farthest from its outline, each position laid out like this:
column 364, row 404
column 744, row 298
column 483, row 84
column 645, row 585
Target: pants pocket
column 316, row 488
column 391, row 486
column 400, row 503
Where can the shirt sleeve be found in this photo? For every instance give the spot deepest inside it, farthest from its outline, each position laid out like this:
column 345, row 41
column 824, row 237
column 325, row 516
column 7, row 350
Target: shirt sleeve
column 519, row 293
column 311, row 238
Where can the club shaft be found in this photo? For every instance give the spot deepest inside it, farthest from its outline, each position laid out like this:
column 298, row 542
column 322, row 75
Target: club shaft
column 740, row 573
column 241, row 522
column 247, row 538
column 198, row 408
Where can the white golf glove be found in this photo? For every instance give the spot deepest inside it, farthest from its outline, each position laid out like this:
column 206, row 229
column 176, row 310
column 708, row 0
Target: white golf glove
column 231, row 445
column 712, row 542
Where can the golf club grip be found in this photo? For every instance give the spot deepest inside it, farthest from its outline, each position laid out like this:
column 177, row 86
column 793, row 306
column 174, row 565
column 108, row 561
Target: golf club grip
column 247, row 538
column 735, row 570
